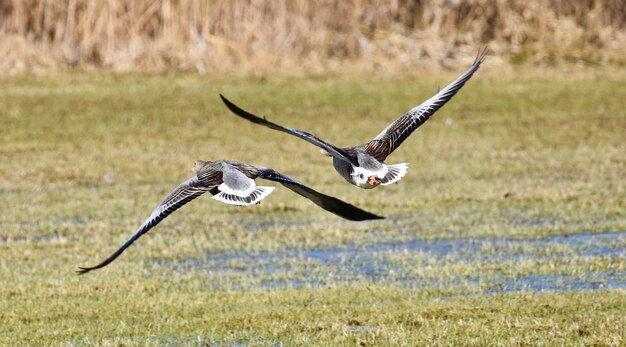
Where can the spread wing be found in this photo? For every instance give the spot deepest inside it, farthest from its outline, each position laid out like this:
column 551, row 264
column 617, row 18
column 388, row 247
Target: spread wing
column 184, row 193
column 330, row 148
column 329, row 203
column 390, row 138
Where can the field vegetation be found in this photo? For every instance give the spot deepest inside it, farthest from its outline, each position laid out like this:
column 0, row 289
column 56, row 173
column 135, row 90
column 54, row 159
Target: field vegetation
column 300, row 37
column 507, row 230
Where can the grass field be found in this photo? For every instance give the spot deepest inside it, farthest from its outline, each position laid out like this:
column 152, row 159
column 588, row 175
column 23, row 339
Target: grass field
column 509, row 228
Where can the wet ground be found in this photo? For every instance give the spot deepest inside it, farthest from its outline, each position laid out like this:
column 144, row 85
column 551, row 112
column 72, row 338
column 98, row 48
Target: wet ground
column 469, row 265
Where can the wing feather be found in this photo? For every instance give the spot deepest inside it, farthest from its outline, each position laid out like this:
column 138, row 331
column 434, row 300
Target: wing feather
column 184, row 193
column 392, row 136
column 328, row 147
column 328, row 203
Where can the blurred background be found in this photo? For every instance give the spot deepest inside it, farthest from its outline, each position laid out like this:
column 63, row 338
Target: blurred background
column 300, row 37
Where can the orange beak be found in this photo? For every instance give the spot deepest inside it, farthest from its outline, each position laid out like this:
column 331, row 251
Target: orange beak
column 373, row 180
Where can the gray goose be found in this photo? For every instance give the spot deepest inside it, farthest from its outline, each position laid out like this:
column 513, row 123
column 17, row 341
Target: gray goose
column 363, row 165
column 232, row 182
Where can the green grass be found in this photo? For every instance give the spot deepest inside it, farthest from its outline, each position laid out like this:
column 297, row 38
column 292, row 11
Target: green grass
column 85, row 158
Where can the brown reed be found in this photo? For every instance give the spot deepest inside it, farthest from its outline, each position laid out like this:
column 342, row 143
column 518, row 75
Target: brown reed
column 300, row 36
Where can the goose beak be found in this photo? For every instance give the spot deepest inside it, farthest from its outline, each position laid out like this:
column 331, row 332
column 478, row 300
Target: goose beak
column 373, row 180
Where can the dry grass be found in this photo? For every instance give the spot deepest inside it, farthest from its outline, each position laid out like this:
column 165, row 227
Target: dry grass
column 296, row 37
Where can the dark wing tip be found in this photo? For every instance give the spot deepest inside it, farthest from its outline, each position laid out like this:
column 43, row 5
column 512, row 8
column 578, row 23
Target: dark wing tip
column 83, row 270
column 353, row 213
column 229, row 104
column 367, row 216
column 481, row 55
column 346, row 210
column 247, row 115
column 232, row 107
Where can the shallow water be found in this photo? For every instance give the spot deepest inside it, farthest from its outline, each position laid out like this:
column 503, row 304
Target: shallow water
column 170, row 340
column 399, row 264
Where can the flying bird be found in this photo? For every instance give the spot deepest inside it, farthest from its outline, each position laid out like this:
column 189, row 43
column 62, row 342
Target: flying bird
column 364, row 165
column 233, row 182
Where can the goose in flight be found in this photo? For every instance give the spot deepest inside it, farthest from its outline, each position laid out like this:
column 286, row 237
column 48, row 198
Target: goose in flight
column 232, row 182
column 363, row 165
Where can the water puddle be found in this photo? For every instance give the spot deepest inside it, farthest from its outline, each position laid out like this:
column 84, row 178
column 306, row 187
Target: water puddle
column 169, row 340
column 48, row 239
column 401, row 263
